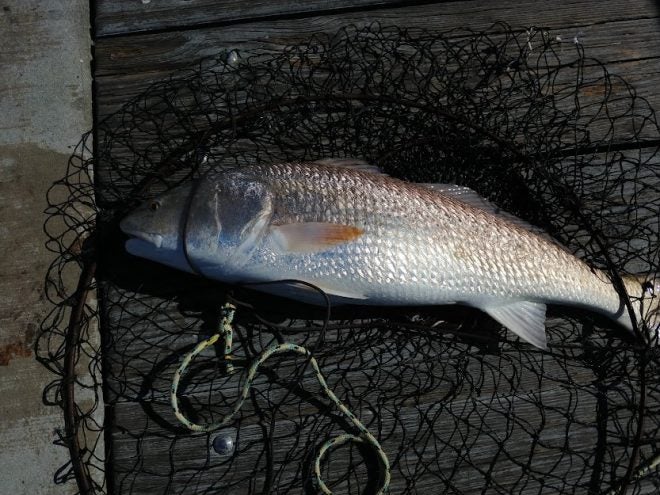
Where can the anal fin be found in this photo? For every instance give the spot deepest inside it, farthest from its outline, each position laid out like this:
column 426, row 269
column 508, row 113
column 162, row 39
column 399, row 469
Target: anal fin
column 524, row 318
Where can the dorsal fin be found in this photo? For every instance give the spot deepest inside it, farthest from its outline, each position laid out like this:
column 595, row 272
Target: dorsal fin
column 474, row 199
column 353, row 163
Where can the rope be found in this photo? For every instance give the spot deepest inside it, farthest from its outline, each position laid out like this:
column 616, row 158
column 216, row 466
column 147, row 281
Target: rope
column 226, row 332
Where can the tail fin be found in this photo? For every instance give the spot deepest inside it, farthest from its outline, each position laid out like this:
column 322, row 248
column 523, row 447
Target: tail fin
column 644, row 293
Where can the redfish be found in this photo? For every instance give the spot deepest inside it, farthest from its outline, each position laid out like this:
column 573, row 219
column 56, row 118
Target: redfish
column 366, row 238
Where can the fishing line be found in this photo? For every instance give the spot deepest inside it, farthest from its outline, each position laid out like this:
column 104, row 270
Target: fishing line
column 326, row 300
column 186, row 216
column 363, row 437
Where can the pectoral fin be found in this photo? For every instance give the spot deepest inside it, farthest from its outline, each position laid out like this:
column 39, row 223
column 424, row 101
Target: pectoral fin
column 310, row 237
column 525, row 319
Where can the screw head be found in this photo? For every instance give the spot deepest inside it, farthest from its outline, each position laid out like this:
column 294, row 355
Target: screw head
column 223, row 444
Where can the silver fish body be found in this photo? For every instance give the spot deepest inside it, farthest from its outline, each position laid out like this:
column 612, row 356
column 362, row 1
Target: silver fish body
column 365, row 237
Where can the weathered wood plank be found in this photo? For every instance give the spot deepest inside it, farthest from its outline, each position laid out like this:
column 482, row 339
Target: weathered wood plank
column 127, row 16
column 476, row 408
column 116, row 17
column 562, row 452
column 560, row 83
column 151, row 352
column 170, row 50
column 128, row 65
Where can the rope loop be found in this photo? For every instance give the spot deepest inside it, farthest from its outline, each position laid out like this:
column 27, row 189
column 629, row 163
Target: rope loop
column 226, row 332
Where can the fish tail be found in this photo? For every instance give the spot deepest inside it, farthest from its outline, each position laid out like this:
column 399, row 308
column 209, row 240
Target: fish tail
column 644, row 295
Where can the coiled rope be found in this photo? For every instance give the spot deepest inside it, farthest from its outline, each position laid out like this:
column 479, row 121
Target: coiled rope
column 226, row 332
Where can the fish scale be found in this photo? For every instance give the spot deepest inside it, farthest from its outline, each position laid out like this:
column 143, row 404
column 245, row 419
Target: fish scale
column 410, row 235
column 364, row 237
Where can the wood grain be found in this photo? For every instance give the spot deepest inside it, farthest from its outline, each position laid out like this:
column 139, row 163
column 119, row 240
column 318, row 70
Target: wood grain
column 495, row 404
column 127, row 16
column 618, row 37
column 120, row 17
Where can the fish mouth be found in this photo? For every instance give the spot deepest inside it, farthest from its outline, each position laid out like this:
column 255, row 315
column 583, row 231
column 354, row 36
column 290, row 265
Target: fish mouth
column 152, row 238
column 155, row 240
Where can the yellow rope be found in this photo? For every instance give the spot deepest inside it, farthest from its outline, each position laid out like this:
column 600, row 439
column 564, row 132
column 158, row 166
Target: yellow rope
column 364, row 436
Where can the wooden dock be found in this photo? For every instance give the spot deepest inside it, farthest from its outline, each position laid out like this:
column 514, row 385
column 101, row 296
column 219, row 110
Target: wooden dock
column 452, row 417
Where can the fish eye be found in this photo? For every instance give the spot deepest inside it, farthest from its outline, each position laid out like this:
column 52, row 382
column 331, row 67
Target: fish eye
column 154, row 205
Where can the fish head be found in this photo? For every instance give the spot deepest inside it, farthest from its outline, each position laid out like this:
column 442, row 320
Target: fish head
column 156, row 228
column 228, row 219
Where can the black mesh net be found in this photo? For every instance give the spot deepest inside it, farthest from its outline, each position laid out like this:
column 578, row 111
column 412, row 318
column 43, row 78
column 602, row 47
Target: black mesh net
column 457, row 404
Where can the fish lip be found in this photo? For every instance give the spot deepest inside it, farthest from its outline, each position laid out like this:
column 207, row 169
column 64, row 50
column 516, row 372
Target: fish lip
column 155, row 239
column 150, row 237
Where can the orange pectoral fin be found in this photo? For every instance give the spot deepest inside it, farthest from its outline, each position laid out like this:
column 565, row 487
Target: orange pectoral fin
column 311, row 237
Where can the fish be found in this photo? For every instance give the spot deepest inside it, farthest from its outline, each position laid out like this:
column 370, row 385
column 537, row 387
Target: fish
column 364, row 237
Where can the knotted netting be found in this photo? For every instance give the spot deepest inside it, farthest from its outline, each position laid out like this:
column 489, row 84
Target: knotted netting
column 457, row 404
